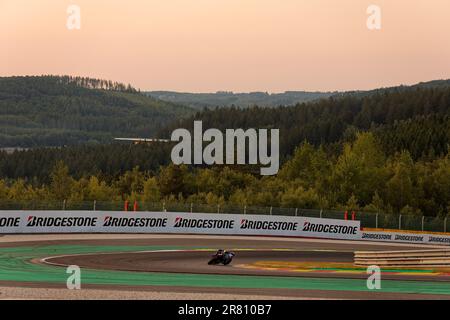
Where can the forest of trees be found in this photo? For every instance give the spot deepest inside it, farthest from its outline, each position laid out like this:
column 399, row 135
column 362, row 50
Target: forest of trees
column 384, row 151
column 107, row 161
column 199, row 101
column 361, row 177
column 57, row 111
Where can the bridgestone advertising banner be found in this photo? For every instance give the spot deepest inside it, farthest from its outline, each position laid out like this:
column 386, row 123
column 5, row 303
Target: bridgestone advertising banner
column 405, row 237
column 12, row 222
column 170, row 222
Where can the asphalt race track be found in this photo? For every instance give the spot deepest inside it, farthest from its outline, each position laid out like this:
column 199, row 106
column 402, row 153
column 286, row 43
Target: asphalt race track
column 275, row 267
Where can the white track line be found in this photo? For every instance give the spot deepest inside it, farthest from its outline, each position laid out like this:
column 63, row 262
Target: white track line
column 45, row 260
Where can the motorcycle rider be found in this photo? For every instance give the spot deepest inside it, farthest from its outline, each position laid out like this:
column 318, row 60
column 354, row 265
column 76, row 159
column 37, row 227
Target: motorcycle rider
column 228, row 256
column 222, row 256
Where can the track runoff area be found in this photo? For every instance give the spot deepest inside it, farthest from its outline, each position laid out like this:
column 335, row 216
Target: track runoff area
column 162, row 266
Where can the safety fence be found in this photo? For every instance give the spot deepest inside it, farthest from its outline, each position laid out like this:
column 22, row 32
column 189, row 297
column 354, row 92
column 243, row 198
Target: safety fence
column 368, row 219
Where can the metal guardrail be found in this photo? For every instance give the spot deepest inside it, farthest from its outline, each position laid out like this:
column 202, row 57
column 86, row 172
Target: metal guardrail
column 410, row 258
column 368, row 219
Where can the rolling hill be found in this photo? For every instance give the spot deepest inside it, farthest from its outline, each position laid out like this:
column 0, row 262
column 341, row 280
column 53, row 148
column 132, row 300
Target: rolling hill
column 199, row 101
column 56, row 111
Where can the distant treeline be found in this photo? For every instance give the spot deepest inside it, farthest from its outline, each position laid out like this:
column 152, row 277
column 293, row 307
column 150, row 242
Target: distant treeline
column 106, row 161
column 91, row 83
column 201, row 101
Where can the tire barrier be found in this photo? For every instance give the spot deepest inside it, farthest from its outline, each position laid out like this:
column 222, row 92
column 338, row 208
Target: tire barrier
column 407, row 258
column 404, row 237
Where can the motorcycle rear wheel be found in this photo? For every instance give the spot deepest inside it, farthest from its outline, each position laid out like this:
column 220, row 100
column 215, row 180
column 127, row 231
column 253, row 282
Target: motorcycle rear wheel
column 213, row 261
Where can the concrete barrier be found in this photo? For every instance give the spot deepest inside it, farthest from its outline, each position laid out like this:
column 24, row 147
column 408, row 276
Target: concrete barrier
column 407, row 258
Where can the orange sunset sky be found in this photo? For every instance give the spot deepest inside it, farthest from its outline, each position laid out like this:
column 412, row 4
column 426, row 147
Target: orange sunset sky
column 235, row 45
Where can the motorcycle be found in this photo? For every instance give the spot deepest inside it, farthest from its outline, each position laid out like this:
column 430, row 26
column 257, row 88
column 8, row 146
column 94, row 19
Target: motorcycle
column 224, row 258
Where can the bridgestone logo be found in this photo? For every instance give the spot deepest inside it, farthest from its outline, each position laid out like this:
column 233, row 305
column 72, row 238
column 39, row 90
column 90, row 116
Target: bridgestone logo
column 9, row 222
column 409, row 238
column 329, row 228
column 268, row 225
column 34, row 221
column 439, row 239
column 377, row 236
column 135, row 222
column 203, row 223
